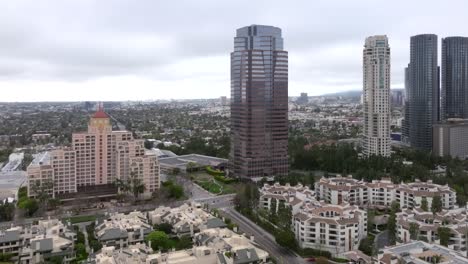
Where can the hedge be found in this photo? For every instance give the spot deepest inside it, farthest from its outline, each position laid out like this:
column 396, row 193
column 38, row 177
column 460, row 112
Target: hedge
column 311, row 252
column 214, row 172
column 224, row 179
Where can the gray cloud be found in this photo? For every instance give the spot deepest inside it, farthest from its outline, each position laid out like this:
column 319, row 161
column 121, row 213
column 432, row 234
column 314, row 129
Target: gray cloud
column 70, row 41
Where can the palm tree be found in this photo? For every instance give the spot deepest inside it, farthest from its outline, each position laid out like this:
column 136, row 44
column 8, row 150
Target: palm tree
column 136, row 185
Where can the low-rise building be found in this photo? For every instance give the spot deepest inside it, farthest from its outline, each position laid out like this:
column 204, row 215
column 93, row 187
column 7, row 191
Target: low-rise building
column 342, row 189
column 191, row 162
column 410, row 195
column 38, row 243
column 382, row 193
column 186, row 219
column 334, row 228
column 272, row 195
column 417, row 224
column 120, row 230
column 420, row 252
column 212, row 246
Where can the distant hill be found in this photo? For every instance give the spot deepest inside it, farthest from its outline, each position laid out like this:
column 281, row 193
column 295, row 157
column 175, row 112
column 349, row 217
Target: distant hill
column 351, row 93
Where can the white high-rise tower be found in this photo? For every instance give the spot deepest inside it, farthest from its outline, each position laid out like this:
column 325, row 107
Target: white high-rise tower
column 376, row 96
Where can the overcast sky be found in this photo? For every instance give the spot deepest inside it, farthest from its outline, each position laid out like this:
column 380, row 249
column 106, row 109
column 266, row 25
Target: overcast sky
column 161, row 49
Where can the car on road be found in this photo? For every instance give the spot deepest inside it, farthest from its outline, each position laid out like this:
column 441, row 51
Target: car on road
column 310, row 259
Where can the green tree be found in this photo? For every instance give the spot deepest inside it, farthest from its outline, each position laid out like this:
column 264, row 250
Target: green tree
column 391, row 224
column 444, row 235
column 286, row 238
column 54, row 203
column 95, row 245
column 42, row 192
column 436, row 204
column 184, row 243
column 370, row 219
column 414, row 231
column 367, row 246
column 81, row 253
column 424, row 205
column 159, row 240
column 165, row 227
column 7, row 211
column 6, row 257
column 138, row 187
column 55, row 260
column 176, row 191
column 29, row 205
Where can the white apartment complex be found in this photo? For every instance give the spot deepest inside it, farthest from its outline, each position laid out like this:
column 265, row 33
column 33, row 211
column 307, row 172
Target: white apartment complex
column 294, row 196
column 334, row 228
column 96, row 159
column 381, row 193
column 428, row 223
column 419, row 252
column 212, row 246
column 376, row 96
column 38, row 243
column 120, row 230
column 186, row 219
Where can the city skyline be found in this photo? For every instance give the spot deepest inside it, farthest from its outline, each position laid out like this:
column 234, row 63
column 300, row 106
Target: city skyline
column 100, row 54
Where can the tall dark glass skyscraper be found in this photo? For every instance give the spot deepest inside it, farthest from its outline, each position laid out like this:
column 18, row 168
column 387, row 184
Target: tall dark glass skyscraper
column 259, row 103
column 422, row 90
column 454, row 78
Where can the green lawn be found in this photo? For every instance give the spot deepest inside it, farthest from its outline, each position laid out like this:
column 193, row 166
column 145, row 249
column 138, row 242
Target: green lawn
column 206, row 182
column 82, row 218
column 210, row 186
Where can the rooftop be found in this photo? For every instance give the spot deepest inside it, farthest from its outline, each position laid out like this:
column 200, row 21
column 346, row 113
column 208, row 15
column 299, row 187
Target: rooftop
column 184, row 160
column 41, row 159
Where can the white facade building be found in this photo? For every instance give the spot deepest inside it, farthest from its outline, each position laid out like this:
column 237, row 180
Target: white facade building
column 186, row 219
column 427, row 225
column 334, row 228
column 382, row 193
column 294, row 196
column 376, row 96
column 39, row 242
column 212, row 246
column 120, row 230
column 420, row 252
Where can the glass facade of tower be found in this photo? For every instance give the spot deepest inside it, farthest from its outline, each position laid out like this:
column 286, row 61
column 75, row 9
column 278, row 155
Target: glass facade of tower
column 422, row 89
column 454, row 78
column 259, row 103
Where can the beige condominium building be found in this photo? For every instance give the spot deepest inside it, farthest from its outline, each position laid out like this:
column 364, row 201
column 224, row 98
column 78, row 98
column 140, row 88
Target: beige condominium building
column 95, row 161
column 334, row 228
column 417, row 224
column 381, row 193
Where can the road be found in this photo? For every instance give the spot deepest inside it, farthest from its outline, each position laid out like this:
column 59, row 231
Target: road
column 382, row 239
column 264, row 239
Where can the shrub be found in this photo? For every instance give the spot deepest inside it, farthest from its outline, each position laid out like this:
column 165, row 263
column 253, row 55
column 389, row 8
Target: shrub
column 311, row 252
column 214, row 172
column 224, row 179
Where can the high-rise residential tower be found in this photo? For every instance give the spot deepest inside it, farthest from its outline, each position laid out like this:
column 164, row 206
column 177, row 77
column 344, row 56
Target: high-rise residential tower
column 454, row 78
column 376, row 96
column 259, row 103
column 422, row 90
